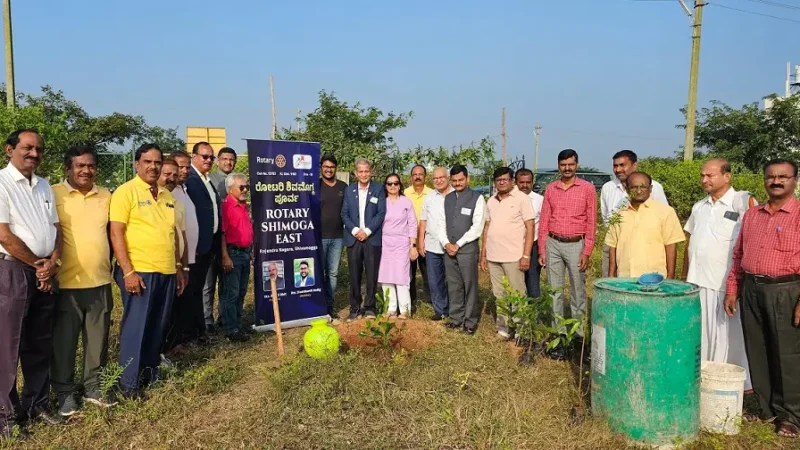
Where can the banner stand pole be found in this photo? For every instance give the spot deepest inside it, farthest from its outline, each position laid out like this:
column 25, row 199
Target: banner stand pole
column 277, row 313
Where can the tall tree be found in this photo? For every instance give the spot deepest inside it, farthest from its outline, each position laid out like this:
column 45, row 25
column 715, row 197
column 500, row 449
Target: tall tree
column 750, row 135
column 350, row 131
column 63, row 122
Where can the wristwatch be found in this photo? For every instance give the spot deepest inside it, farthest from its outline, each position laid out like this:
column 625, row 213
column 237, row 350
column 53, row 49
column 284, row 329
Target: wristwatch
column 58, row 262
column 526, row 256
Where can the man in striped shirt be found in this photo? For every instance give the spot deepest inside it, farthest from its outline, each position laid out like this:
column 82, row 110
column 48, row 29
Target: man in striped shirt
column 566, row 233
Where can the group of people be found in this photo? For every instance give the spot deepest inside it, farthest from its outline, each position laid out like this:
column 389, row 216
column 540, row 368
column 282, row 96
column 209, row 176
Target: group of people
column 175, row 232
column 178, row 227
column 744, row 257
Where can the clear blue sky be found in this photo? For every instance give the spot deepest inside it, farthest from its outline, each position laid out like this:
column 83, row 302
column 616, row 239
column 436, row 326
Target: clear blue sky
column 598, row 75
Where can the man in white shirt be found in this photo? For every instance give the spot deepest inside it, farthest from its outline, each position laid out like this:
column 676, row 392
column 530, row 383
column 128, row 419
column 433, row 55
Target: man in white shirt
column 712, row 230
column 459, row 234
column 524, row 181
column 30, row 252
column 181, row 322
column 613, row 196
column 430, row 222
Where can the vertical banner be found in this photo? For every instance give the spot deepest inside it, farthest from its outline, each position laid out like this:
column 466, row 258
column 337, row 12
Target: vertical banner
column 284, row 176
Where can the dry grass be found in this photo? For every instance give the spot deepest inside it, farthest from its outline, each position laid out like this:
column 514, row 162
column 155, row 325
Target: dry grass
column 459, row 393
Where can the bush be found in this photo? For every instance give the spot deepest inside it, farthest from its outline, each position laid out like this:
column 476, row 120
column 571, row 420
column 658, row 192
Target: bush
column 681, row 181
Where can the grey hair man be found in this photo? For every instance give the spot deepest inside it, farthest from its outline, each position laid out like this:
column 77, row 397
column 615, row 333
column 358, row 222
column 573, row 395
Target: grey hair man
column 237, row 231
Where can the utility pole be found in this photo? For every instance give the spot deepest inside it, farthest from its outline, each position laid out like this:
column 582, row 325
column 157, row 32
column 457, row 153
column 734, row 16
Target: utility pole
column 537, row 130
column 11, row 94
column 272, row 99
column 691, row 109
column 503, row 134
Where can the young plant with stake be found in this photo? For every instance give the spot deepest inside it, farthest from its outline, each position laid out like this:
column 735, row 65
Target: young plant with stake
column 380, row 329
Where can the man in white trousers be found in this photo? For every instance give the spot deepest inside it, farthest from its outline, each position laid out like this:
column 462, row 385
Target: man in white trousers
column 712, row 230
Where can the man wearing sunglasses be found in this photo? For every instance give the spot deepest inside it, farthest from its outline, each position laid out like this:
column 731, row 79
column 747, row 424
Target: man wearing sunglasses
column 238, row 233
column 209, row 240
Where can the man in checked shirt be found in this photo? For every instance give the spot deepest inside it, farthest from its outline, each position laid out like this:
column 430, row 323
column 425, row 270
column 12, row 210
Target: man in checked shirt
column 566, row 233
column 765, row 277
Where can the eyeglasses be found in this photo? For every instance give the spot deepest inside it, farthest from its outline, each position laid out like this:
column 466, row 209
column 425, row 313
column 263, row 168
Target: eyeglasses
column 393, row 183
column 329, row 167
column 503, row 180
column 207, row 157
column 243, row 188
column 778, row 178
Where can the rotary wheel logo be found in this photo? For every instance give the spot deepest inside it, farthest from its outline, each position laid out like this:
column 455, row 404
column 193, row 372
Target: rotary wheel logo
column 280, row 161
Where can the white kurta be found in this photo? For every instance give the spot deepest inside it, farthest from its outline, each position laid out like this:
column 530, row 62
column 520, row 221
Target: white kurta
column 714, row 228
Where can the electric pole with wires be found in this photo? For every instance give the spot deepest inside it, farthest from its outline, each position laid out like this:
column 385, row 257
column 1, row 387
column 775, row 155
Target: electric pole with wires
column 691, row 108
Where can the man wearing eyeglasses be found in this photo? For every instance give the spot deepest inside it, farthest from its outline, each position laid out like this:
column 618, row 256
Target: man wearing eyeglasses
column 765, row 282
column 331, row 199
column 238, row 231
column 645, row 238
column 209, row 240
column 509, row 222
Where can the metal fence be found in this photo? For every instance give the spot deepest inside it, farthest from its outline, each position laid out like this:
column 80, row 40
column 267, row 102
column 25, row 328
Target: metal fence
column 114, row 169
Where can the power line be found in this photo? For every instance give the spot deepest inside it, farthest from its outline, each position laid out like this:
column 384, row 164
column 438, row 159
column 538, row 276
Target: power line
column 776, row 4
column 786, row 19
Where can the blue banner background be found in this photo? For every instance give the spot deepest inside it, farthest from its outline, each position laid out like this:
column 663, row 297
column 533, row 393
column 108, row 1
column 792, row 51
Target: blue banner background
column 284, row 180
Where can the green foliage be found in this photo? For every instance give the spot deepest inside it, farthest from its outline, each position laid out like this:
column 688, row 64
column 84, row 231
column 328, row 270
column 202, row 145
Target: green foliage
column 350, row 131
column 380, row 328
column 110, row 375
column 750, row 135
column 63, row 123
column 681, row 181
column 532, row 318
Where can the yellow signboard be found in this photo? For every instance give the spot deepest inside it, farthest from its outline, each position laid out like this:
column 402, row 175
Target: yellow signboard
column 214, row 136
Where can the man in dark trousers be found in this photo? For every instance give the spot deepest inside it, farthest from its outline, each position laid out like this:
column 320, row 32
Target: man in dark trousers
column 363, row 212
column 464, row 218
column 765, row 278
column 204, row 195
column 30, row 252
column 149, row 272
column 331, row 199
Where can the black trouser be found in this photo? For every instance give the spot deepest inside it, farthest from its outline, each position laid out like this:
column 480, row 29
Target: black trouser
column 26, row 336
column 182, row 326
column 773, row 346
column 533, row 274
column 196, row 319
column 367, row 257
column 423, row 267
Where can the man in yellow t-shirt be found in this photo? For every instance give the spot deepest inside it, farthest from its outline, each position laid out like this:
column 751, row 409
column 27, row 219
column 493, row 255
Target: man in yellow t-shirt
column 645, row 237
column 416, row 193
column 149, row 272
column 84, row 307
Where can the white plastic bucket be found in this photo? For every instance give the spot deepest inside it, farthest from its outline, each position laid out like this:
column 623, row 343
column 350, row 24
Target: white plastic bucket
column 721, row 397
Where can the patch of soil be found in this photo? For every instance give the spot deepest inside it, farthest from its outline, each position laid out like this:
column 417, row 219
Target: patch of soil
column 410, row 335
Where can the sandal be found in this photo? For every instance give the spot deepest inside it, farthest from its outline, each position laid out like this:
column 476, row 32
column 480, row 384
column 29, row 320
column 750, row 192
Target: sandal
column 752, row 418
column 788, row 430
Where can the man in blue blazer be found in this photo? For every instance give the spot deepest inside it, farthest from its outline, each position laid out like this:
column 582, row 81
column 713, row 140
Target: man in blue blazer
column 209, row 221
column 363, row 211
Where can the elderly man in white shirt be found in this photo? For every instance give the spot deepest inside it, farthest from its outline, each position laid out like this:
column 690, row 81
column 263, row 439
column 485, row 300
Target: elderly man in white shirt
column 524, row 179
column 713, row 228
column 430, row 222
column 30, row 252
column 613, row 196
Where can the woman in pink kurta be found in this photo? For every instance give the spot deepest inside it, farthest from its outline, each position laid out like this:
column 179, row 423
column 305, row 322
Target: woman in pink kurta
column 398, row 247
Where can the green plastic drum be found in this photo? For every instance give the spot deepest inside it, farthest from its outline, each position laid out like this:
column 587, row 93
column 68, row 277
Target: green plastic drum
column 646, row 359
